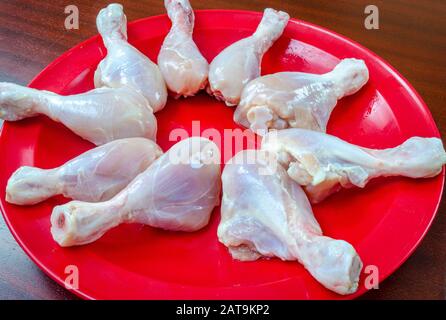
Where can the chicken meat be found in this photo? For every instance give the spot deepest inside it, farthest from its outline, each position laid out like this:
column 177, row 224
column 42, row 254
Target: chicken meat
column 96, row 175
column 296, row 99
column 240, row 63
column 182, row 65
column 124, row 65
column 264, row 213
column 177, row 192
column 99, row 116
column 323, row 164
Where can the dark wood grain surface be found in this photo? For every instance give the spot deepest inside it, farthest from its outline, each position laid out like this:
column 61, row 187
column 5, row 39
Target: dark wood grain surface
column 412, row 37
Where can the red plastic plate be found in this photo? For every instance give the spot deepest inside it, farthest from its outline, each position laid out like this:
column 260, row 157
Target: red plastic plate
column 384, row 222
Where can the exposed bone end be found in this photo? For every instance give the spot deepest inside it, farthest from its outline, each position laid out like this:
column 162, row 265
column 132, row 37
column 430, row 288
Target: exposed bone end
column 77, row 223
column 350, row 75
column 30, row 185
column 417, row 157
column 18, row 102
column 172, row 6
column 335, row 264
column 112, row 22
column 272, row 25
column 63, row 226
column 276, row 15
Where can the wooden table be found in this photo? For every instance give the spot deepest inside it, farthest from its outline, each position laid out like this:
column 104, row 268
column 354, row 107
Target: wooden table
column 412, row 37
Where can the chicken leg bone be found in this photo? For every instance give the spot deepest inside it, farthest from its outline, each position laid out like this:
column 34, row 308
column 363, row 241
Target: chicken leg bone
column 323, row 163
column 240, row 63
column 124, row 65
column 296, row 99
column 268, row 214
column 177, row 192
column 100, row 115
column 182, row 65
column 96, row 175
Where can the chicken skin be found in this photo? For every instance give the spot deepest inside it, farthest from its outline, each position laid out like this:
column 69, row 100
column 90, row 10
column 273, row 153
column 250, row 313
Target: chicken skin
column 182, row 65
column 99, row 116
column 95, row 175
column 124, row 65
column 298, row 100
column 264, row 213
column 240, row 63
column 177, row 192
column 323, row 164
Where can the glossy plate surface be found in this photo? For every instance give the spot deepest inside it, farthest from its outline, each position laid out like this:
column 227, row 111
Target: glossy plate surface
column 384, row 222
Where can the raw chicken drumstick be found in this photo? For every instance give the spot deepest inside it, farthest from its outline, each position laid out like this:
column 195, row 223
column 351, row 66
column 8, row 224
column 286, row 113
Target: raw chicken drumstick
column 265, row 213
column 124, row 65
column 182, row 65
column 96, row 175
column 296, row 99
column 323, row 163
column 240, row 63
column 177, row 192
column 100, row 115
